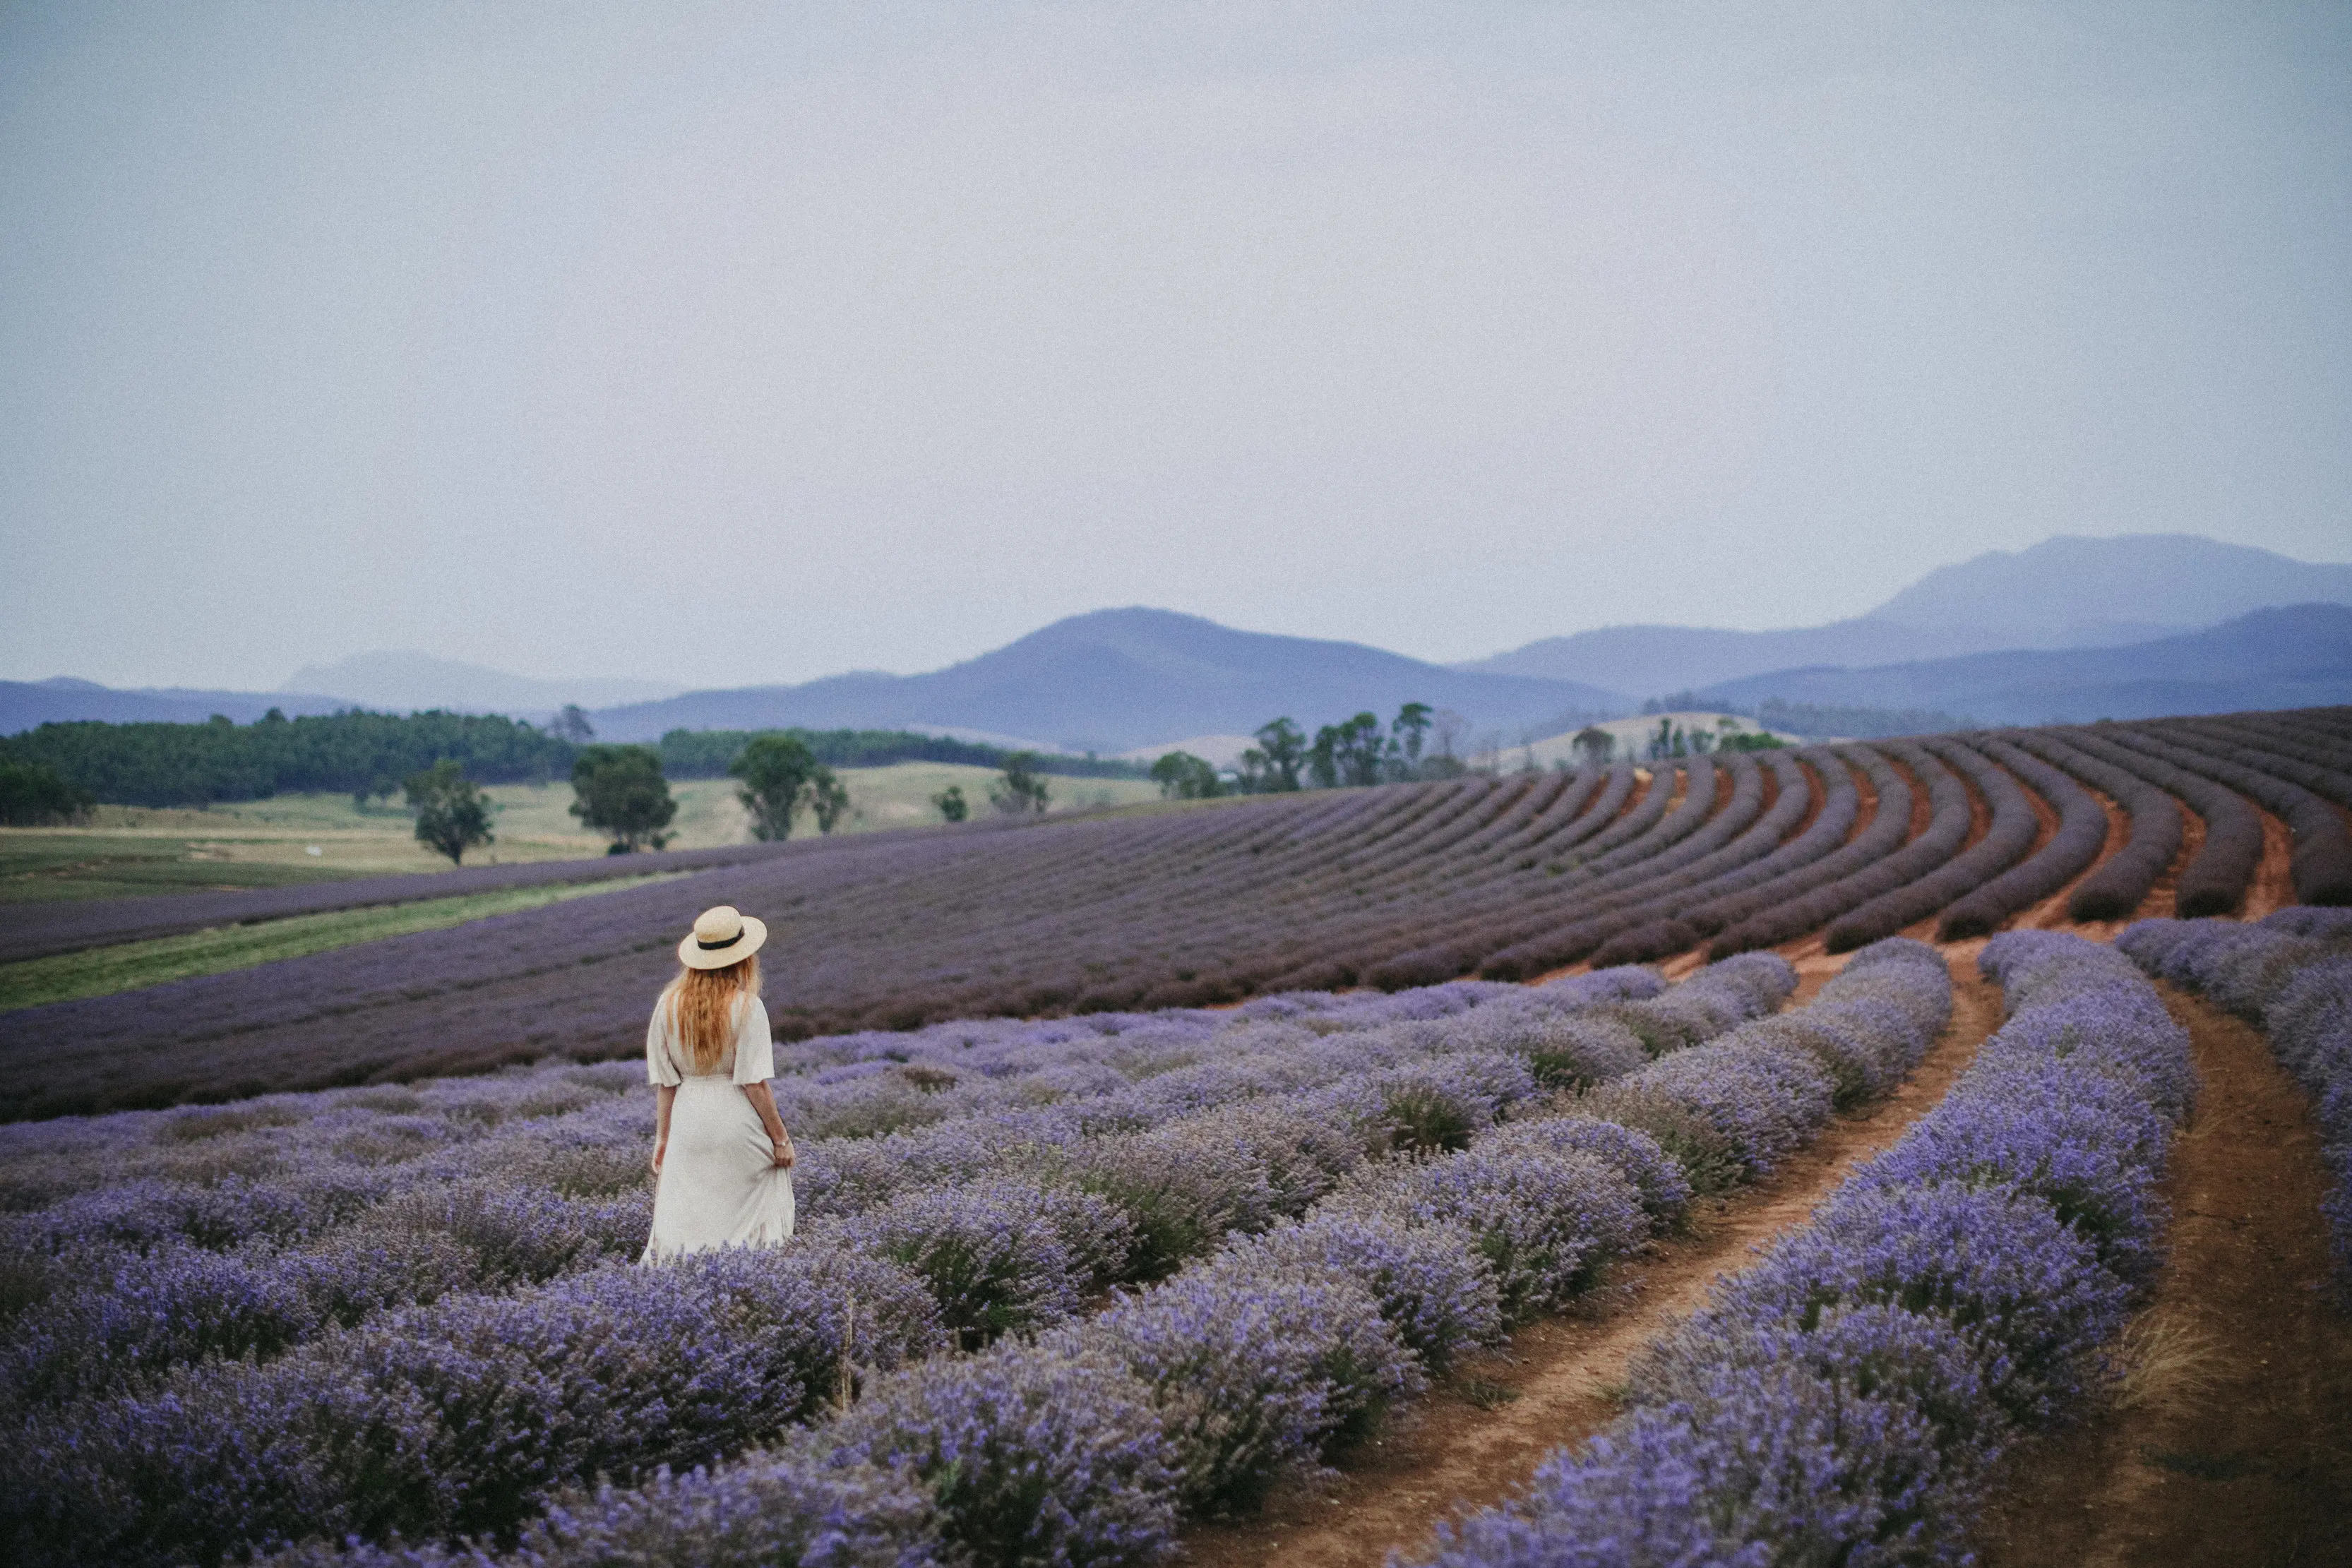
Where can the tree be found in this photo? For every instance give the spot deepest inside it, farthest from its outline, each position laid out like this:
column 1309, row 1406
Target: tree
column 452, row 815
column 828, row 798
column 572, row 725
column 1018, row 790
column 622, row 793
column 952, row 806
column 34, row 796
column 776, row 770
column 1594, row 745
column 1410, row 726
column 1348, row 753
column 1273, row 764
column 1184, row 777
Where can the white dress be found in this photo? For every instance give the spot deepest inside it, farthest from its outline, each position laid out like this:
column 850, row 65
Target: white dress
column 719, row 1183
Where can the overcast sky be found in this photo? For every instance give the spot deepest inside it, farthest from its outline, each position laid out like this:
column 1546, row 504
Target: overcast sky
column 728, row 344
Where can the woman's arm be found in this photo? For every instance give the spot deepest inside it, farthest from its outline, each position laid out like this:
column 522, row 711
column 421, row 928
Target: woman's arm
column 764, row 1102
column 664, row 1096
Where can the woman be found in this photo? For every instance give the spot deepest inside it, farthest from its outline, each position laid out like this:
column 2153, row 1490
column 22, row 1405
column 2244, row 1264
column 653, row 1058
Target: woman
column 720, row 1152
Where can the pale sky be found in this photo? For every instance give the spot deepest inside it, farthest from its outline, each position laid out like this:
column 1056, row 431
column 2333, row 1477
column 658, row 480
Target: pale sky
column 731, row 344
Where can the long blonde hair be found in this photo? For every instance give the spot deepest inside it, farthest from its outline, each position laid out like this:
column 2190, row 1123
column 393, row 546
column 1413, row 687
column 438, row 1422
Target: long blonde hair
column 701, row 1005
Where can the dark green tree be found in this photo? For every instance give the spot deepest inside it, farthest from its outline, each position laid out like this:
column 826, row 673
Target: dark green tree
column 952, row 806
column 452, row 815
column 777, row 770
column 828, row 798
column 1594, row 746
column 1350, row 752
column 1020, row 789
column 572, row 726
column 1409, row 729
column 32, row 796
column 1273, row 764
column 622, row 793
column 1184, row 777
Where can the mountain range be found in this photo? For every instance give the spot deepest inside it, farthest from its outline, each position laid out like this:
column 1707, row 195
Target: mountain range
column 2066, row 592
column 2137, row 626
column 1118, row 679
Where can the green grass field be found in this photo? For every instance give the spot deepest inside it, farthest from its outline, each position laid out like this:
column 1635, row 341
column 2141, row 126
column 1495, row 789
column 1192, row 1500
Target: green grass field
column 129, row 850
column 103, row 971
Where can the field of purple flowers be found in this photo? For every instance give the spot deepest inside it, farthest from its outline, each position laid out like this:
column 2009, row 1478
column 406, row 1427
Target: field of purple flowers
column 1398, row 886
column 1844, row 1400
column 2291, row 977
column 1064, row 1283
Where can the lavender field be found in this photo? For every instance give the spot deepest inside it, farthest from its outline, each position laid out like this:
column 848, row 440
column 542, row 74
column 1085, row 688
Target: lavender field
column 1406, row 885
column 1183, row 1254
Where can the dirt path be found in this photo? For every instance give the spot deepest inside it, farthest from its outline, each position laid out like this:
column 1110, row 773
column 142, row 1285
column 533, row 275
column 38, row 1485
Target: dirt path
column 2232, row 1440
column 1480, row 1435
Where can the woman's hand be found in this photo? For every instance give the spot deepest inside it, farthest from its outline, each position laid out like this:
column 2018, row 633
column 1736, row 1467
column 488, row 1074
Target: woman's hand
column 659, row 1150
column 782, row 1150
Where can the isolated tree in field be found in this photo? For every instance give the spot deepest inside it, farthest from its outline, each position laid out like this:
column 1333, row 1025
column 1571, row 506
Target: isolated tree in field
column 776, row 771
column 572, row 725
column 1184, row 777
column 1594, row 746
column 1409, row 729
column 622, row 793
column 452, row 815
column 1018, row 791
column 828, row 800
column 953, row 807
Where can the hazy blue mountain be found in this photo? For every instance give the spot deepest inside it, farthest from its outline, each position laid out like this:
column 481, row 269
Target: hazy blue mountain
column 26, row 704
column 2297, row 656
column 2066, row 592
column 1118, row 679
column 408, row 682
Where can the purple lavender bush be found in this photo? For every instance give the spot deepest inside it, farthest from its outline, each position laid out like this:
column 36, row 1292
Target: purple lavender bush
column 1031, row 1456
column 1548, row 1223
column 999, row 1256
column 1429, row 1282
column 1255, row 1371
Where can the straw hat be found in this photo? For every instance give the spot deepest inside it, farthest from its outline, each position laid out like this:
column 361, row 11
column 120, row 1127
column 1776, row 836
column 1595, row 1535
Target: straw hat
column 721, row 937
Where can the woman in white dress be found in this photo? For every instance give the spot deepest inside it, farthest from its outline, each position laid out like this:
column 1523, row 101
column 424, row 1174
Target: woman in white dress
column 721, row 1157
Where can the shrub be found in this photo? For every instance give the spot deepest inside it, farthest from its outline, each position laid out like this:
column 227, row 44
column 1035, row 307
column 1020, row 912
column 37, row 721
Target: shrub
column 1255, row 1371
column 1033, row 1456
column 1548, row 1223
column 1429, row 1281
column 994, row 1254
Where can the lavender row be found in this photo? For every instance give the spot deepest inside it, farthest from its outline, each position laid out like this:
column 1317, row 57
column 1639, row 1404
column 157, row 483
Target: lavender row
column 1843, row 1399
column 457, row 1418
column 1093, row 1441
column 2291, row 976
column 143, row 1273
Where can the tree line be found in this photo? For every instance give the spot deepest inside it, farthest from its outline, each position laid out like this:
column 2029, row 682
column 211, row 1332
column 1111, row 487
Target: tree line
column 58, row 768
column 1358, row 750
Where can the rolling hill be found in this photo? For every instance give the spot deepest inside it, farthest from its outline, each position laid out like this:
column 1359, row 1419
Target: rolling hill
column 2298, row 656
column 2065, row 593
column 1118, row 679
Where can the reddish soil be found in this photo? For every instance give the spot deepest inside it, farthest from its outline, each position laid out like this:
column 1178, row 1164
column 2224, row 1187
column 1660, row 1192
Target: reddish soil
column 2230, row 1440
column 1480, row 1435
column 2273, row 887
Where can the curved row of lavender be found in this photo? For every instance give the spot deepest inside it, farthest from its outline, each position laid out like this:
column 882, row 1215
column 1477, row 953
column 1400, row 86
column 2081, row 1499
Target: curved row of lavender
column 1397, row 886
column 2291, row 976
column 1089, row 1443
column 419, row 1282
column 1841, row 1400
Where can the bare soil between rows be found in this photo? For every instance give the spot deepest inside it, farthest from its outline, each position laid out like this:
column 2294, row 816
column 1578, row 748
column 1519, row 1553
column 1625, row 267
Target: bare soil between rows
column 2230, row 1440
column 1481, row 1433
